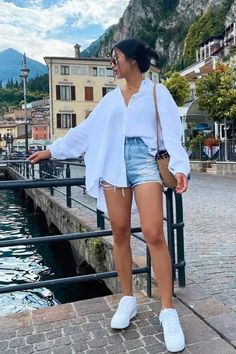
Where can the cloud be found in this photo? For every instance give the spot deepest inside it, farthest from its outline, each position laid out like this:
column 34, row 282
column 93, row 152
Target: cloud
column 41, row 27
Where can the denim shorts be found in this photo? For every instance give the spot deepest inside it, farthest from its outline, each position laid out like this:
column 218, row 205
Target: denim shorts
column 141, row 166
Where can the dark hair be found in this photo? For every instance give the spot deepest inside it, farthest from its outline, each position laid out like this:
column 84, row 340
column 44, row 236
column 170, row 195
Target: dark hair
column 134, row 49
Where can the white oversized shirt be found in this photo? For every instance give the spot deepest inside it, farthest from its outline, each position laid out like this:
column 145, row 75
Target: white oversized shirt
column 102, row 136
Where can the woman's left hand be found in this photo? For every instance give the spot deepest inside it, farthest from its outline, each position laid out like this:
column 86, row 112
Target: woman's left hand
column 182, row 182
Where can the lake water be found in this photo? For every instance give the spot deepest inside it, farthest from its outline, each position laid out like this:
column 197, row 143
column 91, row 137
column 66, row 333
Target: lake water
column 21, row 264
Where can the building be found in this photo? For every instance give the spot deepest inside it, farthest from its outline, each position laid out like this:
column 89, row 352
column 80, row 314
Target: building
column 76, row 85
column 40, row 120
column 214, row 50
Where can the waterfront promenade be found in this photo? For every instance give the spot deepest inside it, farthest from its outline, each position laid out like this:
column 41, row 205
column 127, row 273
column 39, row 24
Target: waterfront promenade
column 207, row 305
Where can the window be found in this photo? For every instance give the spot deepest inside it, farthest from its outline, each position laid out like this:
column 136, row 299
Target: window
column 36, row 137
column 101, row 72
column 95, row 71
column 36, row 128
column 65, row 92
column 110, row 72
column 66, row 120
column 150, row 75
column 45, row 136
column 88, row 93
column 64, row 70
column 107, row 89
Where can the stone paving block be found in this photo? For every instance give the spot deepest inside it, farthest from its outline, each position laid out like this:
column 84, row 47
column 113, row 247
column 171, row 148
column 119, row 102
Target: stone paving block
column 209, row 307
column 35, row 338
column 142, row 323
column 48, row 344
column 148, row 340
column 27, row 349
column 215, row 346
column 95, row 317
column 99, row 333
column 52, row 314
column 95, row 351
column 138, row 351
column 43, row 327
column 87, row 307
column 61, row 324
column 133, row 343
column 191, row 293
column 54, row 334
column 116, row 348
column 80, row 347
column 97, row 343
column 90, row 326
column 225, row 324
column 114, row 338
column 24, row 331
column 155, row 348
column 16, row 342
column 3, row 345
column 81, row 337
column 10, row 351
column 13, row 322
column 151, row 330
column 63, row 350
column 73, row 329
column 62, row 341
column 129, row 334
column 196, row 330
column 78, row 320
column 7, row 334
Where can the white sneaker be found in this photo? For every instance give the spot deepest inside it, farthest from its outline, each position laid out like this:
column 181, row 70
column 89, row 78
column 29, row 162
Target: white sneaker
column 173, row 334
column 127, row 309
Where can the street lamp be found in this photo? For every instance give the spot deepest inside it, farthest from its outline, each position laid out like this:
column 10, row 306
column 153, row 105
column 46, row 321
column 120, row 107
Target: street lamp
column 24, row 74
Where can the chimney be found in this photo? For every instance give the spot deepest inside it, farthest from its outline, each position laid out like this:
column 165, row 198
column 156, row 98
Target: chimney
column 77, row 51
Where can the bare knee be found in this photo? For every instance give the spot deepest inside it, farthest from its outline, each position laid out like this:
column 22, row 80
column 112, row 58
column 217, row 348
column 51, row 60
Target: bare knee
column 121, row 235
column 154, row 238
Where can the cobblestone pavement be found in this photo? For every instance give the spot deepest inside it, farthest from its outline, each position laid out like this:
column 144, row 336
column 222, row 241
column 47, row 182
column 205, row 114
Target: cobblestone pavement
column 84, row 327
column 210, row 251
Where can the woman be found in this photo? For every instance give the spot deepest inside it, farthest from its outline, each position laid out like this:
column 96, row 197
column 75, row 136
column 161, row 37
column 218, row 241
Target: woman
column 119, row 139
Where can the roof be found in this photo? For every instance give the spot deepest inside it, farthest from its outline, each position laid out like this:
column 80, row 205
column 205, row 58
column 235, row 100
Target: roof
column 219, row 36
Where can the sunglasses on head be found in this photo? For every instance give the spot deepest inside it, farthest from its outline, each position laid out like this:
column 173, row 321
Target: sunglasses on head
column 114, row 61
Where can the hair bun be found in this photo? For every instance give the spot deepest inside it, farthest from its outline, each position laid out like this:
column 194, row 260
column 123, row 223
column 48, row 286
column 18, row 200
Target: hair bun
column 151, row 53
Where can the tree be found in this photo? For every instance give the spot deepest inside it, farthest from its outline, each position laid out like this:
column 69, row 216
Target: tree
column 178, row 87
column 217, row 94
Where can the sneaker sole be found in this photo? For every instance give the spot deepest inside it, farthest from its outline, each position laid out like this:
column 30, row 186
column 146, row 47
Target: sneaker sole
column 123, row 327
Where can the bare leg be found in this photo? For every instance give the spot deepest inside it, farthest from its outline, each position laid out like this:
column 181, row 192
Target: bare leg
column 119, row 210
column 149, row 202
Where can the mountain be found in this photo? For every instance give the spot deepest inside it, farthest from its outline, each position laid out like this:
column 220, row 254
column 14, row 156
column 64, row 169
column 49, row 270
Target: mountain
column 175, row 28
column 11, row 63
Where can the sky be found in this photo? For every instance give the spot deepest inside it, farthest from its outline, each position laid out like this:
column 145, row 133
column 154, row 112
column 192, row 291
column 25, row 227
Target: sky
column 52, row 27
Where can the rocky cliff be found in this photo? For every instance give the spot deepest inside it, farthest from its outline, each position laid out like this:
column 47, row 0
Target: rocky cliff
column 174, row 27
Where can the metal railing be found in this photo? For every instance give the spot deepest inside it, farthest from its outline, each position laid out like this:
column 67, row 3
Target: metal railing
column 226, row 151
column 174, row 221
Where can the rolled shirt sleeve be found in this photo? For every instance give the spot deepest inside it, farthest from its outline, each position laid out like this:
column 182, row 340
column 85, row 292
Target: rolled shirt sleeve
column 171, row 131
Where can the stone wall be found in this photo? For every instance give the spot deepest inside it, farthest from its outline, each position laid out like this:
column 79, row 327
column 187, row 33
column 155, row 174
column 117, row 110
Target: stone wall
column 222, row 168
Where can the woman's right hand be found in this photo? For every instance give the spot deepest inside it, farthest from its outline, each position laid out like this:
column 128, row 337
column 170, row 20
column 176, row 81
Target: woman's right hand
column 40, row 155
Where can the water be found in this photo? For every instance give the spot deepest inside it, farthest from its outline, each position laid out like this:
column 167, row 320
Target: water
column 22, row 264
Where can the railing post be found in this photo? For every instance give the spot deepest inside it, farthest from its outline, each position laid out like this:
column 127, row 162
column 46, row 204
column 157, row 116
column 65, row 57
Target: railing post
column 100, row 219
column 50, row 169
column 170, row 230
column 180, row 239
column 32, row 169
column 68, row 188
column 149, row 273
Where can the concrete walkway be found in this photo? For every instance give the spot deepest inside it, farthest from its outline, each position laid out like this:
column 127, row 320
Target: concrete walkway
column 84, row 327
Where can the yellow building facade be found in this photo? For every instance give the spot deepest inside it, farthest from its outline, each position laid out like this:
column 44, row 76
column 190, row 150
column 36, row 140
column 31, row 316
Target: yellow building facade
column 76, row 85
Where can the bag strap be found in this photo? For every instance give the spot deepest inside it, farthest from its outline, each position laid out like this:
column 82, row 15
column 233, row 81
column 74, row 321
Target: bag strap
column 157, row 117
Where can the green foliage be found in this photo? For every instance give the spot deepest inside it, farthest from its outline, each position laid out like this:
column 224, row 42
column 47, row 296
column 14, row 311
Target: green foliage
column 13, row 96
column 39, row 83
column 196, row 141
column 217, row 94
column 178, row 87
column 211, row 23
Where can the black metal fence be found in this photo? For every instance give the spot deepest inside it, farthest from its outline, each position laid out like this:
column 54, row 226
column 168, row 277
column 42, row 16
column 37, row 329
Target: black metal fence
column 32, row 178
column 226, row 151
